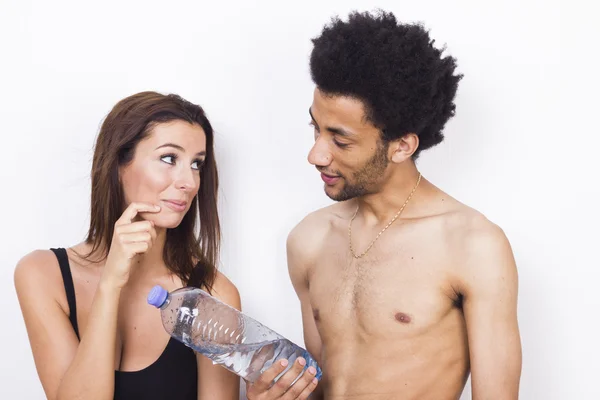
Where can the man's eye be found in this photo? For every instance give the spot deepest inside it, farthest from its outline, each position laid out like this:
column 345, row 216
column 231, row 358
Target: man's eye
column 340, row 145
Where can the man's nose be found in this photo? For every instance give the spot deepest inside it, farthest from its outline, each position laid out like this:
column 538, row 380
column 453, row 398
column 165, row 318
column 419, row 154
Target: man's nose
column 320, row 155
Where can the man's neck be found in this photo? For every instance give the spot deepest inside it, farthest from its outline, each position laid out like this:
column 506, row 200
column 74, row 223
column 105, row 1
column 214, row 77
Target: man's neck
column 380, row 207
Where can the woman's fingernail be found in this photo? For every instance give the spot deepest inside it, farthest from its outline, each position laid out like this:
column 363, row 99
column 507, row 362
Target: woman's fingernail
column 312, row 370
column 284, row 362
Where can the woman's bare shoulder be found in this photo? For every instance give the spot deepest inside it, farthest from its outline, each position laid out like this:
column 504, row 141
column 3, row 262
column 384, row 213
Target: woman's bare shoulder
column 37, row 274
column 37, row 265
column 225, row 290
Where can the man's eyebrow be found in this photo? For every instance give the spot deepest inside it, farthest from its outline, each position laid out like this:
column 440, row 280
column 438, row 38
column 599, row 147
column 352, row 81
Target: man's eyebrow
column 334, row 130
column 311, row 116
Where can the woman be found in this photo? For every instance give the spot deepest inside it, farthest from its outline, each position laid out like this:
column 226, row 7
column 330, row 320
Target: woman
column 93, row 336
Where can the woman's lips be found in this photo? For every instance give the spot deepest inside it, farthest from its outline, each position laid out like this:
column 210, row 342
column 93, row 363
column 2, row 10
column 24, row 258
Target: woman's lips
column 176, row 205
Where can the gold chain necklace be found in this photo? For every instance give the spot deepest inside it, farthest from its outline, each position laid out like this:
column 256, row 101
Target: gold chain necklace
column 383, row 230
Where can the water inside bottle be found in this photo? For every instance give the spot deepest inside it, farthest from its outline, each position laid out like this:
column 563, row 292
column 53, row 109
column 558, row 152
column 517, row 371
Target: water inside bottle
column 240, row 344
column 251, row 360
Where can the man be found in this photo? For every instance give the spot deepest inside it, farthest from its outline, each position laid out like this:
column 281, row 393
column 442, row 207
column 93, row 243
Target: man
column 404, row 290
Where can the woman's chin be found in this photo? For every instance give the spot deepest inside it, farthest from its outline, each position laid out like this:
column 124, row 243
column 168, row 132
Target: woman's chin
column 167, row 223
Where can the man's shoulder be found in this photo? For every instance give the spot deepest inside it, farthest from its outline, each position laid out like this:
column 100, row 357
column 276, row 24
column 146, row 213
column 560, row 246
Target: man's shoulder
column 462, row 218
column 456, row 220
column 321, row 219
column 466, row 225
column 313, row 229
column 480, row 246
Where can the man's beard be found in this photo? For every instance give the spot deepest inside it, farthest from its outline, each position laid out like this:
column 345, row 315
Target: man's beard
column 364, row 179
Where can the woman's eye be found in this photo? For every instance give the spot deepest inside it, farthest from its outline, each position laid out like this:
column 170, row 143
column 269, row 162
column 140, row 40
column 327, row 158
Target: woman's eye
column 169, row 158
column 197, row 165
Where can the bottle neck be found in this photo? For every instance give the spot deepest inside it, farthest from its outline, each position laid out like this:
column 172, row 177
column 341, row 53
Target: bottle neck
column 166, row 303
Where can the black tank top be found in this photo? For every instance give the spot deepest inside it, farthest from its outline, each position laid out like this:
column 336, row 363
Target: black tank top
column 173, row 376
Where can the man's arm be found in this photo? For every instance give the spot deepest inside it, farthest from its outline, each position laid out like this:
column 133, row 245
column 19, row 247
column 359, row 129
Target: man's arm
column 298, row 248
column 489, row 287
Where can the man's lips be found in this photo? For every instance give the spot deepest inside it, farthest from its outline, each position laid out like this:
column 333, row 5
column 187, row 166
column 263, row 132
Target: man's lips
column 329, row 179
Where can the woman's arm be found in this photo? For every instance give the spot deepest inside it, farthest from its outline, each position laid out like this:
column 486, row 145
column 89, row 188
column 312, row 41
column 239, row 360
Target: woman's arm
column 67, row 369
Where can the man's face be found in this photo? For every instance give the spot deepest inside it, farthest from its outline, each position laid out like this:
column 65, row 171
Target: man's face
column 348, row 149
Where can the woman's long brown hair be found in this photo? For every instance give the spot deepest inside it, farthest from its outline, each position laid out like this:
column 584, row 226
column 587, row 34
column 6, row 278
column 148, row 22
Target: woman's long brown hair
column 193, row 258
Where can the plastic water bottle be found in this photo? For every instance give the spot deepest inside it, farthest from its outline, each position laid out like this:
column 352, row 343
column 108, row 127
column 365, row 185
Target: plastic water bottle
column 224, row 334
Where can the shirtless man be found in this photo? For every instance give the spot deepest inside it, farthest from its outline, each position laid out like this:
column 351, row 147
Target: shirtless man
column 404, row 290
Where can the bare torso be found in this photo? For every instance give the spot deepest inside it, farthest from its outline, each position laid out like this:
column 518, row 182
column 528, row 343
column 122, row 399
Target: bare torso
column 391, row 323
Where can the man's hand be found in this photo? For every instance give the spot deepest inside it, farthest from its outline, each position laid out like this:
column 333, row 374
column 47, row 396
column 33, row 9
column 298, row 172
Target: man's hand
column 265, row 389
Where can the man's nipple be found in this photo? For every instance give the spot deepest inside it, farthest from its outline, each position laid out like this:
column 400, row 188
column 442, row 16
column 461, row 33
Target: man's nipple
column 316, row 315
column 401, row 317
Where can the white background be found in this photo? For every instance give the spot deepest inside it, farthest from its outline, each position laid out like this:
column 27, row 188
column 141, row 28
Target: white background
column 522, row 148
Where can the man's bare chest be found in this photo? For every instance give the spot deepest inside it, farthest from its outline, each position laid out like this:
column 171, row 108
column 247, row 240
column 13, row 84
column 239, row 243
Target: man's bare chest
column 401, row 291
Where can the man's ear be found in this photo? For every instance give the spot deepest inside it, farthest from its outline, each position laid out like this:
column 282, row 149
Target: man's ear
column 401, row 149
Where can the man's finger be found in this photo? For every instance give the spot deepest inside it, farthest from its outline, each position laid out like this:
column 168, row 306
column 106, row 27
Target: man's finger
column 266, row 379
column 284, row 383
column 312, row 385
column 301, row 384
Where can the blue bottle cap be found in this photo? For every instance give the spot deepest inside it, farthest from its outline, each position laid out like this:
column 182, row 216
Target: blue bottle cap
column 157, row 296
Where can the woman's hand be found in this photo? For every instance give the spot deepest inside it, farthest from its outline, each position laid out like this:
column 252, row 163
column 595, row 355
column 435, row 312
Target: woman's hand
column 129, row 240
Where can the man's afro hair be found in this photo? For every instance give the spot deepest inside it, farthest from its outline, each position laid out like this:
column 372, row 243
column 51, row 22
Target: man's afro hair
column 394, row 69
